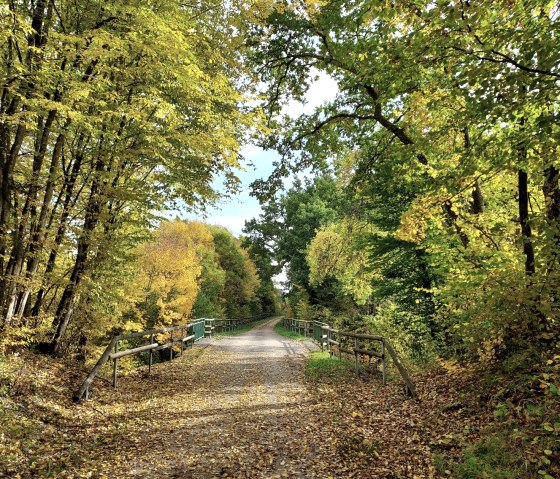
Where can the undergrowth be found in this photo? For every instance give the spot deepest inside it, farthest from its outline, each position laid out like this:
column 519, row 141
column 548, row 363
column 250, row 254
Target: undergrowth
column 519, row 437
column 321, row 366
column 282, row 331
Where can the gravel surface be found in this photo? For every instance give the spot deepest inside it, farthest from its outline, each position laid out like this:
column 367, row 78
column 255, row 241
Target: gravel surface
column 240, row 410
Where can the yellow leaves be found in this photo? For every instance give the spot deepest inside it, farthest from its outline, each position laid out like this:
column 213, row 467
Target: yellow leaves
column 332, row 254
column 314, row 7
column 450, row 365
column 169, row 267
column 414, row 221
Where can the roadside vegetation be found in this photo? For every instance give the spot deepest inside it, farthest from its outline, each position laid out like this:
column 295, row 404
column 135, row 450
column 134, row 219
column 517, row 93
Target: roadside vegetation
column 282, row 331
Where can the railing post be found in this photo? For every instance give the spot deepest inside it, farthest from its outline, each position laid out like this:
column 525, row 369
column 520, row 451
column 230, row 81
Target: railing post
column 151, row 357
column 115, row 365
column 340, row 347
column 356, row 355
column 182, row 342
column 171, row 347
column 383, row 364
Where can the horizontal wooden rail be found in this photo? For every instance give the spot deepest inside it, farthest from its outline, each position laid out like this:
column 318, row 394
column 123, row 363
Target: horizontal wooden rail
column 323, row 334
column 128, row 352
column 148, row 332
column 365, row 352
column 112, row 352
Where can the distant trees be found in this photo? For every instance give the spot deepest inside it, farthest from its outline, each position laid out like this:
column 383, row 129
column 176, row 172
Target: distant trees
column 190, row 269
column 289, row 223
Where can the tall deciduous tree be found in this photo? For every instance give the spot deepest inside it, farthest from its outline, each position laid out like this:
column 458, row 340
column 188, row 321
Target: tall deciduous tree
column 109, row 111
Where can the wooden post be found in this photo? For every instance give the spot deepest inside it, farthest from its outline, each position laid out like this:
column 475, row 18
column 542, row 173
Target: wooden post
column 91, row 376
column 329, row 344
column 383, row 363
column 410, row 387
column 356, row 355
column 115, row 365
column 151, row 358
column 171, row 347
column 182, row 342
column 339, row 347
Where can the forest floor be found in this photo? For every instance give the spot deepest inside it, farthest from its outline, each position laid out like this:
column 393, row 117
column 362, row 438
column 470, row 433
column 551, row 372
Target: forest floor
column 244, row 406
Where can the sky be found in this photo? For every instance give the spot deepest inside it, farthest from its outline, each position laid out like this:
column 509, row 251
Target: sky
column 234, row 211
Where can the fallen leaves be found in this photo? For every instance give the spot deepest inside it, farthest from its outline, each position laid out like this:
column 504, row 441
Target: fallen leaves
column 242, row 408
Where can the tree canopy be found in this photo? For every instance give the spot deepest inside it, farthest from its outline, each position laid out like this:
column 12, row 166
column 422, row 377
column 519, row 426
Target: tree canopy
column 110, row 112
column 444, row 139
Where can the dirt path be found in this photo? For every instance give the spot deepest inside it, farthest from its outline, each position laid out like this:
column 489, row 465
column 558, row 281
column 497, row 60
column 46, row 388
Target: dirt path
column 239, row 410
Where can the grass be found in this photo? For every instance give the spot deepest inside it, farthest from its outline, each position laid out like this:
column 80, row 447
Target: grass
column 492, row 457
column 242, row 329
column 282, row 331
column 322, row 367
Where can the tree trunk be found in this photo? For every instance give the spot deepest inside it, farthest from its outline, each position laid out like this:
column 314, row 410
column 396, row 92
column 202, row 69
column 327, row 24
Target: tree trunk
column 551, row 191
column 526, row 232
column 19, row 247
column 68, row 191
column 477, row 204
column 40, row 232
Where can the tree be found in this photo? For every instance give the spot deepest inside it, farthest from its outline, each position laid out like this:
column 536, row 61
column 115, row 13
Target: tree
column 288, row 225
column 417, row 112
column 168, row 273
column 109, row 111
column 238, row 296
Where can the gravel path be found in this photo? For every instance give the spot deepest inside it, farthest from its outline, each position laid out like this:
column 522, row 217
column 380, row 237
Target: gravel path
column 239, row 410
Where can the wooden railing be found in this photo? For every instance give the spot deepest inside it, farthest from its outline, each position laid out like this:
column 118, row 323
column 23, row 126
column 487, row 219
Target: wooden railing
column 358, row 345
column 183, row 335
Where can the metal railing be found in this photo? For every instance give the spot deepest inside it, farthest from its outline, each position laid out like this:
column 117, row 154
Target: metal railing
column 226, row 325
column 358, row 345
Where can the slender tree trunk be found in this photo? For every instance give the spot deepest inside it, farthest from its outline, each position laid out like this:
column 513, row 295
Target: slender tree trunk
column 41, row 17
column 477, row 204
column 551, row 191
column 67, row 192
column 526, row 231
column 6, row 193
column 19, row 248
column 92, row 213
column 65, row 305
column 477, row 199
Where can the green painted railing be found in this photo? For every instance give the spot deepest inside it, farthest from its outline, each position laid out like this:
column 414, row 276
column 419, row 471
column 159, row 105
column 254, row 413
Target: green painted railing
column 221, row 325
column 198, row 328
